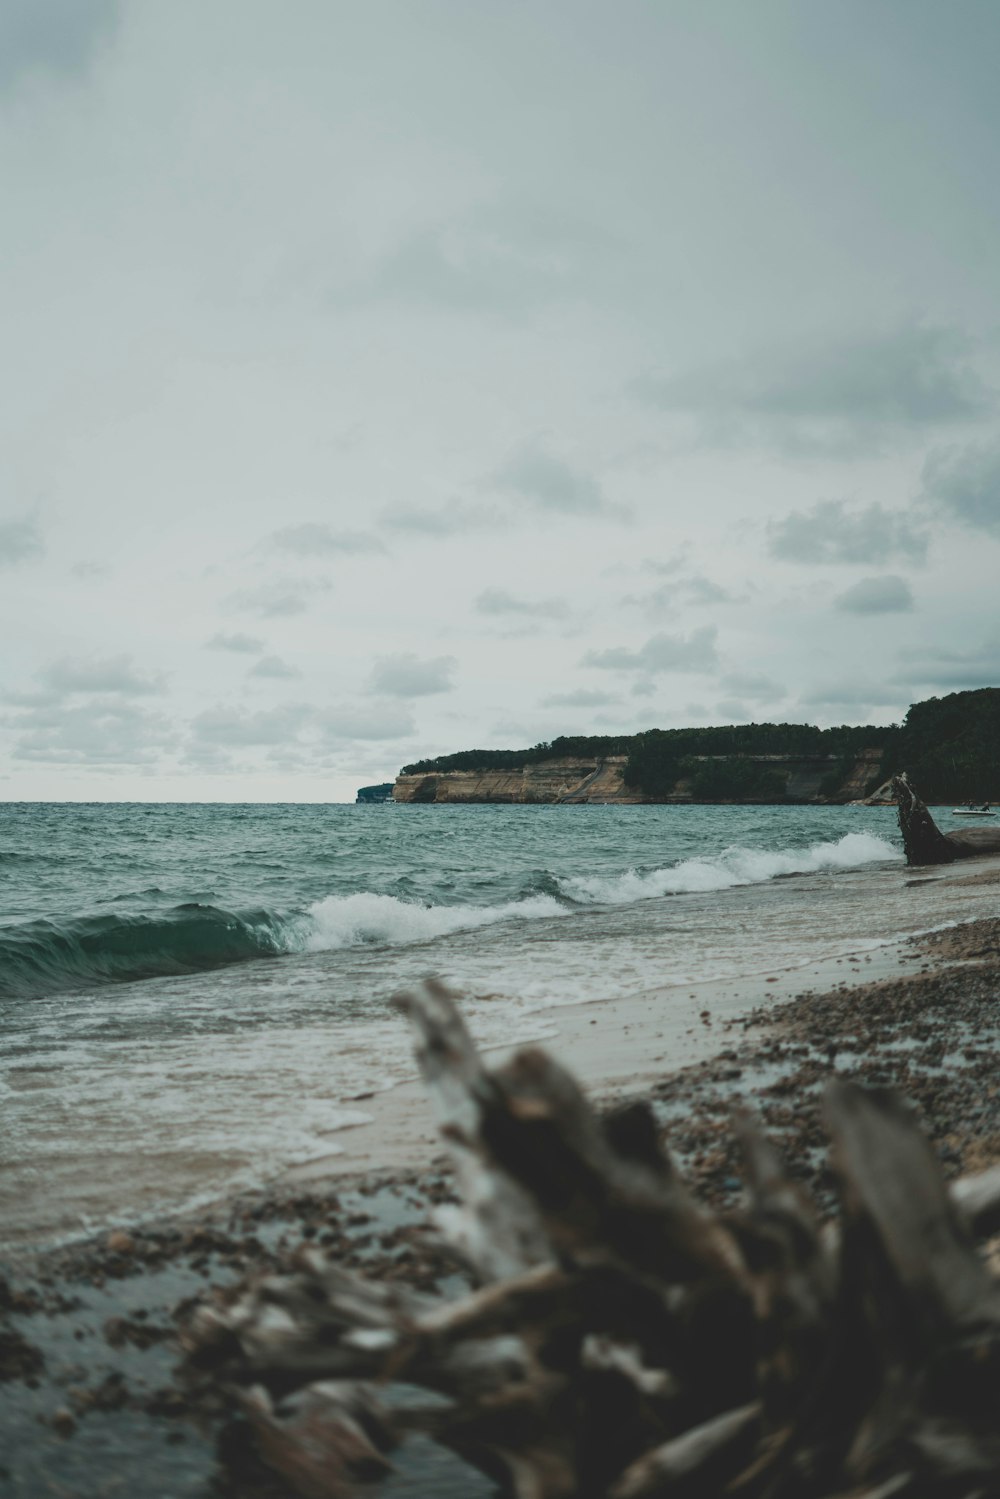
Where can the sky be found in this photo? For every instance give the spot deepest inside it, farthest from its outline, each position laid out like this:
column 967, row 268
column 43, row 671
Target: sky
column 390, row 379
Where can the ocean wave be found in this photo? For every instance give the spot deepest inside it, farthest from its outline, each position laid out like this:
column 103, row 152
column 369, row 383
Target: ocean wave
column 48, row 957
column 725, row 870
column 350, row 920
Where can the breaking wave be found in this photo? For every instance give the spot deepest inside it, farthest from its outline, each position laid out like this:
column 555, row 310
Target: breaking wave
column 46, row 957
column 723, row 871
column 349, row 920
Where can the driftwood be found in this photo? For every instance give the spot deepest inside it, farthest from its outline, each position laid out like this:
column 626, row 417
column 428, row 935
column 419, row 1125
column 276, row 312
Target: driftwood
column 624, row 1342
column 922, row 838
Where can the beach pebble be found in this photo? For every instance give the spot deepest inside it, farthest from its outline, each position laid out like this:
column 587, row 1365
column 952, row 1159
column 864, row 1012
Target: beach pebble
column 63, row 1422
column 119, row 1242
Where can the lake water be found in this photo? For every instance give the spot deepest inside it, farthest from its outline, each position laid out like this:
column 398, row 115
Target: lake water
column 197, row 994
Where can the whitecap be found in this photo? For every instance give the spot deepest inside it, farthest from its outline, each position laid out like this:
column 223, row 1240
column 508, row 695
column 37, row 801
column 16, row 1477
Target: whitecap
column 733, row 866
column 364, row 918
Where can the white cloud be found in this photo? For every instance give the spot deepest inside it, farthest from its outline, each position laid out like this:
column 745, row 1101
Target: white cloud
column 407, row 675
column 238, row 728
column 313, row 540
column 497, row 601
column 452, row 519
column 20, row 541
column 964, row 483
column 279, row 598
column 837, row 396
column 368, row 721
column 582, row 697
column 887, row 595
column 52, row 36
column 753, row 685
column 830, row 532
column 549, row 482
column 694, row 652
column 102, row 732
column 936, row 666
column 274, row 667
column 247, row 645
column 101, row 674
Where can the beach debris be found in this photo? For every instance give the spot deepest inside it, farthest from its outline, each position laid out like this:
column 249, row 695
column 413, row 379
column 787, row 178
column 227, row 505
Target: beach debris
column 620, row 1341
column 922, row 838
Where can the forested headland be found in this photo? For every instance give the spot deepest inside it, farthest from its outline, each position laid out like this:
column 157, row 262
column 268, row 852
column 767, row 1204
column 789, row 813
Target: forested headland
column 949, row 746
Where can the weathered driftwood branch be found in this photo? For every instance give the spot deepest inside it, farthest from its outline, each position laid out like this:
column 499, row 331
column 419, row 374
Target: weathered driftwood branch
column 624, row 1343
column 922, row 838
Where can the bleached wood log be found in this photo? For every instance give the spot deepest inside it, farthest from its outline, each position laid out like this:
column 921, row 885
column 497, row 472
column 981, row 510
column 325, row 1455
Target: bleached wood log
column 496, row 1231
column 922, row 838
column 637, row 1344
column 707, row 1455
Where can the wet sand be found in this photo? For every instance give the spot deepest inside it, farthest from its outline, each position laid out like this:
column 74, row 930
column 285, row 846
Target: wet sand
column 88, row 1403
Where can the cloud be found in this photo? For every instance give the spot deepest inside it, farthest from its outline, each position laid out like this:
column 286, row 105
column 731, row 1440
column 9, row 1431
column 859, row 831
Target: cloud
column 829, row 532
column 498, row 601
column 451, row 519
column 272, row 666
column 465, row 268
column 887, row 595
column 733, row 710
column 694, row 652
column 279, row 598
column 407, row 676
column 549, row 483
column 20, row 541
column 583, row 697
column 690, row 592
column 57, row 36
column 90, row 570
column 247, row 645
column 753, row 685
column 841, row 397
column 505, row 257
column 371, row 721
column 965, row 483
column 312, row 540
column 103, row 731
column 939, row 667
column 849, row 692
column 101, row 674
column 238, row 728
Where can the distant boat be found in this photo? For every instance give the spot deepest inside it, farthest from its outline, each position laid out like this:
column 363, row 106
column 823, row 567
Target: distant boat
column 983, row 811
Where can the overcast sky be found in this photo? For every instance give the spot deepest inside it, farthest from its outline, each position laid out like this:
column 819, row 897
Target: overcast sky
column 389, row 378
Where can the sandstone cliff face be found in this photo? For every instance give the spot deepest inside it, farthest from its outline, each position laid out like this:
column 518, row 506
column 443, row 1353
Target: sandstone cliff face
column 601, row 782
column 548, row 781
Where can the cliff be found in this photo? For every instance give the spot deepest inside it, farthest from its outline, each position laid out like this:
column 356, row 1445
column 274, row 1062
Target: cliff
column 560, row 780
column 569, row 780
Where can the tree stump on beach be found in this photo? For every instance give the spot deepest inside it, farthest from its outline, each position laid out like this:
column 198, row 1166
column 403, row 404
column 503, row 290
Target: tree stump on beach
column 625, row 1342
column 922, row 838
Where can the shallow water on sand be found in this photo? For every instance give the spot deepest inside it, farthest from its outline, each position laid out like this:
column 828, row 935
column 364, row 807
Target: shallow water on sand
column 192, row 997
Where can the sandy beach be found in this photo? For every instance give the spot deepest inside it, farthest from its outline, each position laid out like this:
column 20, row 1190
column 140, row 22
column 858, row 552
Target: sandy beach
column 87, row 1352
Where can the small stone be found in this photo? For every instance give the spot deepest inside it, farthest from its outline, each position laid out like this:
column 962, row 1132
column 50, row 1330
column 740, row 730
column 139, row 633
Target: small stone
column 63, row 1422
column 119, row 1242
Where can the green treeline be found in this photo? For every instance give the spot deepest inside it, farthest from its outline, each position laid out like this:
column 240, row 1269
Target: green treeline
column 572, row 746
column 649, row 751
column 659, row 758
column 950, row 747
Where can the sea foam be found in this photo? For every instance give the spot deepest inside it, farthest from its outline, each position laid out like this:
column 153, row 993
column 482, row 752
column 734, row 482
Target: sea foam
column 731, row 867
column 350, row 920
column 367, row 918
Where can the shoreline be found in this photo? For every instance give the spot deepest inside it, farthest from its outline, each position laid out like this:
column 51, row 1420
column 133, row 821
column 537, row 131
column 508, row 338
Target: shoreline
column 617, row 1046
column 87, row 1352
